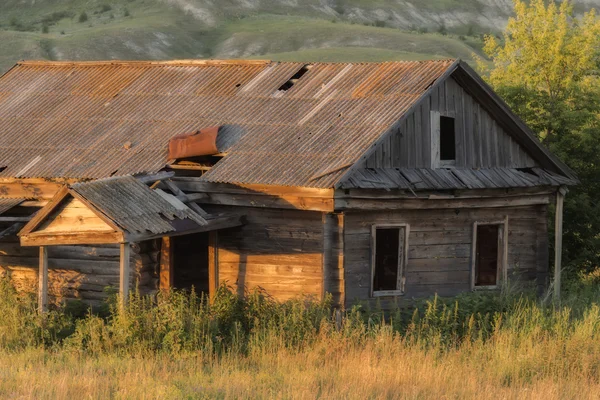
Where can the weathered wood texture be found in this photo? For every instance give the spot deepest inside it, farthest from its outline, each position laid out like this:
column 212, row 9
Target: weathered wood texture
column 480, row 140
column 263, row 196
column 439, row 248
column 333, row 256
column 280, row 251
column 79, row 272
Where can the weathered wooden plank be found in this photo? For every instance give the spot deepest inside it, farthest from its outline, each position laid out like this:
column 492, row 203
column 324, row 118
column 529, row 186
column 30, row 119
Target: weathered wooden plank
column 166, row 265
column 43, row 280
column 124, row 273
column 437, row 277
column 558, row 223
column 365, row 204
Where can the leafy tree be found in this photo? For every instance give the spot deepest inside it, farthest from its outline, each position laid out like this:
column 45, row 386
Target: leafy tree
column 546, row 66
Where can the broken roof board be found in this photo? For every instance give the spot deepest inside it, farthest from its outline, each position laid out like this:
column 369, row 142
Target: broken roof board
column 112, row 210
column 94, row 120
column 416, row 179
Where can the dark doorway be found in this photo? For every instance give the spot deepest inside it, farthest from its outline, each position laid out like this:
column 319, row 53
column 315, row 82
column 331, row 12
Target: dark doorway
column 190, row 256
column 486, row 267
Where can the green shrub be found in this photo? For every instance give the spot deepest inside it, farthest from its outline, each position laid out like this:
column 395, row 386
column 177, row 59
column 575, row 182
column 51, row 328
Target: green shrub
column 183, row 322
column 83, row 17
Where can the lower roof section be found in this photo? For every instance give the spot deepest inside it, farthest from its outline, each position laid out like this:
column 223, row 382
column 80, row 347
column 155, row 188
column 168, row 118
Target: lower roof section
column 416, row 179
column 116, row 210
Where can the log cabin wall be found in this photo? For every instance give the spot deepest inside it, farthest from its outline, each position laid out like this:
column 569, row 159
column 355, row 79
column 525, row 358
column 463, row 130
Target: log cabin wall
column 439, row 248
column 480, row 141
column 79, row 272
column 280, row 251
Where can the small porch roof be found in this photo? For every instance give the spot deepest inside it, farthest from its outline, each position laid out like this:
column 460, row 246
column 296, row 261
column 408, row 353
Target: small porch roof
column 116, row 210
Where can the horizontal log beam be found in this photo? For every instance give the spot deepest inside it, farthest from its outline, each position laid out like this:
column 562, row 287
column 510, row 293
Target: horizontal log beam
column 420, row 204
column 71, row 238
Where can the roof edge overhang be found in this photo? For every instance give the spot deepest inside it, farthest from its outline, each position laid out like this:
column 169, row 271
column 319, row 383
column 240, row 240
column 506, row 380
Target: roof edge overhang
column 466, row 77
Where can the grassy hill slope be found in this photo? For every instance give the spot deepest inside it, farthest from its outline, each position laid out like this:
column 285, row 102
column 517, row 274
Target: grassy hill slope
column 311, row 30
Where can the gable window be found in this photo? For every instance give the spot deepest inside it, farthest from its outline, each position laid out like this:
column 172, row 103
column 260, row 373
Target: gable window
column 389, row 256
column 489, row 254
column 443, row 140
column 447, row 139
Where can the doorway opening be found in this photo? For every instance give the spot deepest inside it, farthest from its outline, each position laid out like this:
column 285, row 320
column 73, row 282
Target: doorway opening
column 190, row 262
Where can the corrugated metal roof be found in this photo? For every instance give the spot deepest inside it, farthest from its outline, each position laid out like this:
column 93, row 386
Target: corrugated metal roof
column 452, row 178
column 73, row 120
column 7, row 204
column 134, row 206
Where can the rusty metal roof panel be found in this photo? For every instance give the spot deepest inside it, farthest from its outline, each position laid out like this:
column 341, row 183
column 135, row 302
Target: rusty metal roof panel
column 98, row 119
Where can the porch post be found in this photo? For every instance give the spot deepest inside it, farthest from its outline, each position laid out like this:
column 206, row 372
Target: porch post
column 124, row 273
column 43, row 280
column 558, row 230
column 166, row 264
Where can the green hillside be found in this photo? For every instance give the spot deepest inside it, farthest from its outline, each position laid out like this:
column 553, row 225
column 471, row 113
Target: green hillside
column 311, row 30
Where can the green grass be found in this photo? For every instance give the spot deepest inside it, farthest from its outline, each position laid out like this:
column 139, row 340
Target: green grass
column 156, row 30
column 276, row 34
column 346, row 54
column 479, row 345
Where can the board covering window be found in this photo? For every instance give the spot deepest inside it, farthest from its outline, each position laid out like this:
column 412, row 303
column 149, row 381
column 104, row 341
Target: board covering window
column 389, row 256
column 489, row 254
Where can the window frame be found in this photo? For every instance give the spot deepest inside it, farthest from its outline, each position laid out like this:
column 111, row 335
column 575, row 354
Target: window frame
column 435, row 132
column 501, row 274
column 401, row 265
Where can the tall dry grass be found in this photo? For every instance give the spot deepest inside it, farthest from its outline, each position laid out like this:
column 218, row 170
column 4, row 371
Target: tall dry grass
column 484, row 346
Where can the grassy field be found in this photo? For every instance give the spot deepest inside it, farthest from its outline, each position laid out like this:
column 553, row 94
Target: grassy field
column 482, row 345
column 151, row 29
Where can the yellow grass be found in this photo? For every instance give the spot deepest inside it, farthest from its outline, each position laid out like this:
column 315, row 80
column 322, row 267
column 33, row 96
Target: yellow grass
column 383, row 367
column 179, row 346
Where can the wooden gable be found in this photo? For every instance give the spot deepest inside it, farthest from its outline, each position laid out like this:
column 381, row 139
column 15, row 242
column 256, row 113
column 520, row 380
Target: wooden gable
column 480, row 140
column 69, row 220
column 487, row 134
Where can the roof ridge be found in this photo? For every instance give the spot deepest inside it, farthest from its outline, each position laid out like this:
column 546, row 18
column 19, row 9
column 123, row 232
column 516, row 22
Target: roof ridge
column 210, row 62
column 190, row 62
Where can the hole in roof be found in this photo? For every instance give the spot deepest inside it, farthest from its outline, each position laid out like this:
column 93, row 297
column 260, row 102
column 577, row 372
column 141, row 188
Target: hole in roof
column 114, row 172
column 238, row 85
column 292, row 81
column 527, row 171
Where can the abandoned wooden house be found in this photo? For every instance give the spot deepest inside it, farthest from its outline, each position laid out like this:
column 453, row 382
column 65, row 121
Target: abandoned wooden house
column 368, row 181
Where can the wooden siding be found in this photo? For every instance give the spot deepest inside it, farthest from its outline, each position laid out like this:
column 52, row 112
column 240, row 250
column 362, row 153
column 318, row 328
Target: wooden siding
column 79, row 272
column 280, row 251
column 73, row 215
column 440, row 248
column 480, row 140
column 333, row 256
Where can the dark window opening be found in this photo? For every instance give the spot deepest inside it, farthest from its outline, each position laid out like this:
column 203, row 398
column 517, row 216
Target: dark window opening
column 294, row 79
column 190, row 262
column 486, row 261
column 447, row 139
column 389, row 256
